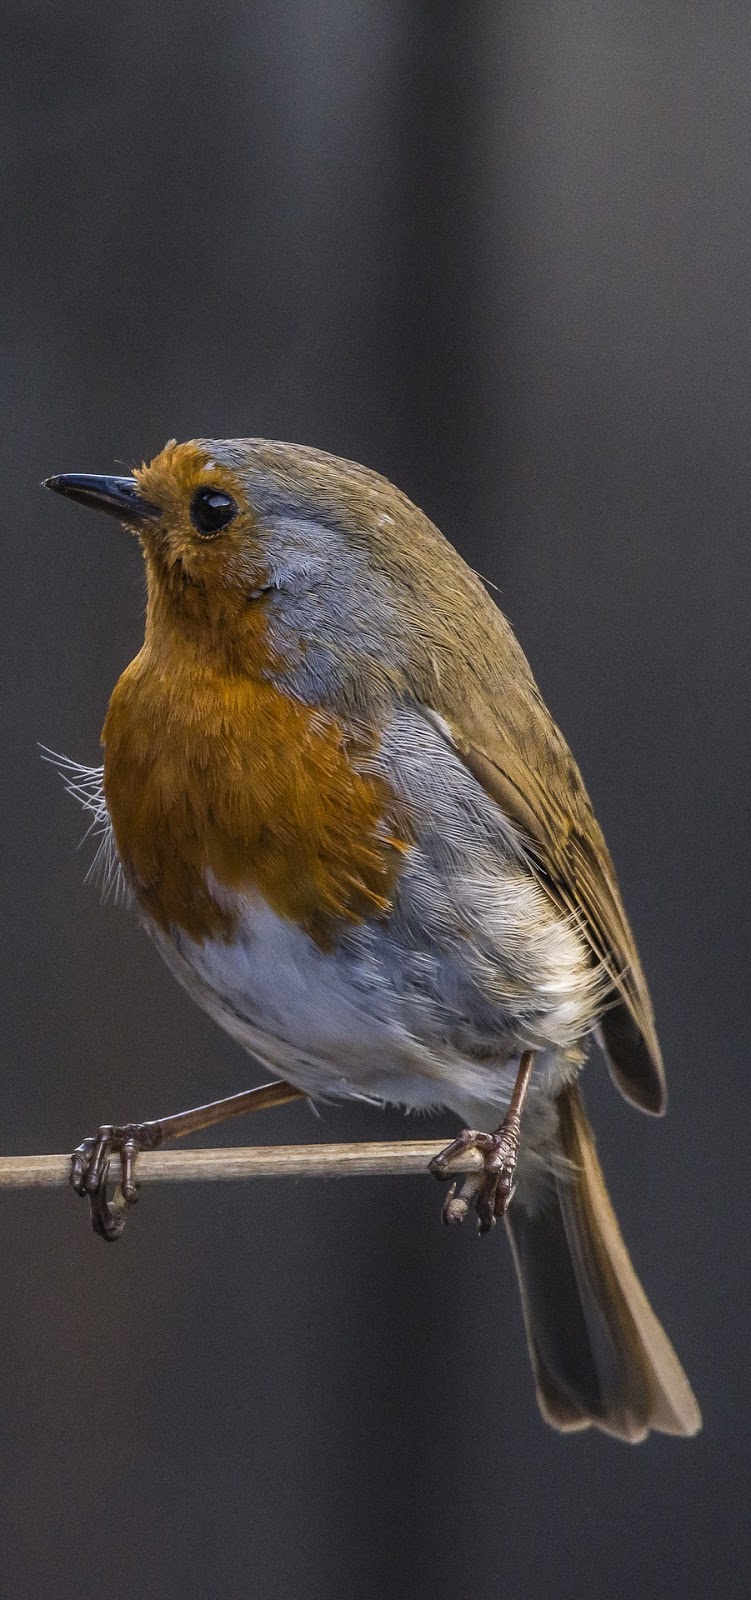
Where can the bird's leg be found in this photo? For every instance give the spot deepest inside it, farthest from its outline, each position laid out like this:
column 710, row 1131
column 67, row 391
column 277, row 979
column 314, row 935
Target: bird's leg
column 488, row 1192
column 90, row 1162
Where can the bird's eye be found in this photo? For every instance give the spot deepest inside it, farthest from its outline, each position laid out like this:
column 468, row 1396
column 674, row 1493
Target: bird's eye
column 210, row 511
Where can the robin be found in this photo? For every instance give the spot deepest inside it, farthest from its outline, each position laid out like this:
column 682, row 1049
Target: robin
column 360, row 842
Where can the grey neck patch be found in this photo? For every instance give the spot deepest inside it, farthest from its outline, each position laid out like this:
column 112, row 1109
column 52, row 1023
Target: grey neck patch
column 331, row 617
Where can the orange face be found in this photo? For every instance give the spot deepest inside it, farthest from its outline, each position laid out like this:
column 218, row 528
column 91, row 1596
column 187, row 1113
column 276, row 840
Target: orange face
column 206, row 537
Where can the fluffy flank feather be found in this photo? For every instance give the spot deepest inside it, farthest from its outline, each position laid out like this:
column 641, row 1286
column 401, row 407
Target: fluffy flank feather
column 86, row 785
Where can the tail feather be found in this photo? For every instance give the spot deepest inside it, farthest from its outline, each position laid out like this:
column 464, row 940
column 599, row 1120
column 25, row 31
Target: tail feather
column 599, row 1353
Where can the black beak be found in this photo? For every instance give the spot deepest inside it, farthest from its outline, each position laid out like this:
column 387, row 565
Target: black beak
column 118, row 496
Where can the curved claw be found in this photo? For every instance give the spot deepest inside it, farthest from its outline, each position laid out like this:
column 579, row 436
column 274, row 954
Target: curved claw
column 108, row 1217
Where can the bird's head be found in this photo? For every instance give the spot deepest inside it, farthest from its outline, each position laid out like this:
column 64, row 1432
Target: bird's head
column 318, row 564
column 198, row 530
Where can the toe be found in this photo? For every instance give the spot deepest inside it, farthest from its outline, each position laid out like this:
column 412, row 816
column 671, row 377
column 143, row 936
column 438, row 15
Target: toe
column 128, row 1183
column 456, row 1206
column 99, row 1160
column 485, row 1206
column 79, row 1162
column 468, row 1139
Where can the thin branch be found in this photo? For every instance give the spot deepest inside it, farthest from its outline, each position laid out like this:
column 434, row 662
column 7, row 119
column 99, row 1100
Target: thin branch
column 388, row 1159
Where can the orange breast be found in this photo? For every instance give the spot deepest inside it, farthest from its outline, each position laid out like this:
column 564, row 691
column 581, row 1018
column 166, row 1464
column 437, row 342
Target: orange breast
column 217, row 779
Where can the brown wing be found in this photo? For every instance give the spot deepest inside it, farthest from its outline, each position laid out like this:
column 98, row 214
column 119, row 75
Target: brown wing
column 537, row 784
column 466, row 668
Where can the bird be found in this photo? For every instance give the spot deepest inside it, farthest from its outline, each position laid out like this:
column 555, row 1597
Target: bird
column 359, row 841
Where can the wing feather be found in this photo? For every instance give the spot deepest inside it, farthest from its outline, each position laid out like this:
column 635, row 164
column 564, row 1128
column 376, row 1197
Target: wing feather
column 565, row 848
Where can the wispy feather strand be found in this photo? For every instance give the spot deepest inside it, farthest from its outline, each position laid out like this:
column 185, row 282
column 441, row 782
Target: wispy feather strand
column 86, row 785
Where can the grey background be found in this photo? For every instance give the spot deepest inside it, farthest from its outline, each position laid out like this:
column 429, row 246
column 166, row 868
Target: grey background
column 501, row 253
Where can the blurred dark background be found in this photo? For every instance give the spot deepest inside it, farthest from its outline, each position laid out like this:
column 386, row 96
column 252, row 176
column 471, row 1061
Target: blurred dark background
column 501, row 253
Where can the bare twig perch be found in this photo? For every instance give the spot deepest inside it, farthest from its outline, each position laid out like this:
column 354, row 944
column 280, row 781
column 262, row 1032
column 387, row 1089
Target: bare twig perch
column 388, row 1159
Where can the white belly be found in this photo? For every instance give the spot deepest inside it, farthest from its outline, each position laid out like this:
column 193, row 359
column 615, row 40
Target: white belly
column 331, row 1027
column 352, row 1021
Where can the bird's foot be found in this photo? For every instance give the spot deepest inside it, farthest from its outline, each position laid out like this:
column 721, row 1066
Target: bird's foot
column 489, row 1191
column 90, row 1163
column 89, row 1172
